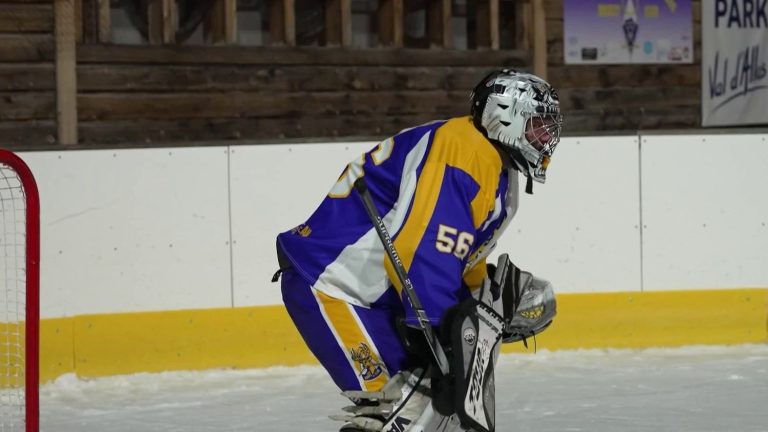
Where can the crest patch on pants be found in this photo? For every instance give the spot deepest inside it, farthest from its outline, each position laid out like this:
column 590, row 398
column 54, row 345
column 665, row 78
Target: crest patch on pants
column 369, row 367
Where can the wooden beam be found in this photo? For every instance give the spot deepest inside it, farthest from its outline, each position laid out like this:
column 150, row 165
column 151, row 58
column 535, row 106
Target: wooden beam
column 221, row 23
column 154, row 22
column 66, row 77
column 27, row 47
column 523, row 20
column 289, row 21
column 192, row 132
column 439, row 25
column 96, row 17
column 390, row 20
column 209, row 105
column 85, row 20
column 79, row 21
column 276, row 23
column 33, row 105
column 162, row 21
column 282, row 22
column 24, row 135
column 250, row 78
column 26, row 18
column 104, row 21
column 230, row 21
column 234, row 54
column 338, row 23
column 27, row 77
column 493, row 26
column 539, row 39
column 487, row 24
column 96, row 21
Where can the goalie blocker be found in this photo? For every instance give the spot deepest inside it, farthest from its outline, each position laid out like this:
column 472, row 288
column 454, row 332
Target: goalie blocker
column 511, row 306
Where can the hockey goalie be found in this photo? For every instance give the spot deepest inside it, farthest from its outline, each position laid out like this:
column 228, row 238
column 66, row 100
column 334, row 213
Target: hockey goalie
column 387, row 280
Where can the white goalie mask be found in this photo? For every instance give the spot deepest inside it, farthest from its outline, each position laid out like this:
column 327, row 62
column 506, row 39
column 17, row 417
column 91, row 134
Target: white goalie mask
column 521, row 113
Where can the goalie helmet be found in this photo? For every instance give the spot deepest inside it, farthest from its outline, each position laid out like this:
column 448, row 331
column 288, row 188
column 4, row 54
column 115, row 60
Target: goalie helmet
column 519, row 112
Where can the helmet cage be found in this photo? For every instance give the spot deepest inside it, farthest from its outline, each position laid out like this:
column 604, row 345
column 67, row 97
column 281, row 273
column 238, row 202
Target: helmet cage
column 542, row 131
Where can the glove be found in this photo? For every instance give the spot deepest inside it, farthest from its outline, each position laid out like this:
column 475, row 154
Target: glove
column 527, row 302
column 535, row 312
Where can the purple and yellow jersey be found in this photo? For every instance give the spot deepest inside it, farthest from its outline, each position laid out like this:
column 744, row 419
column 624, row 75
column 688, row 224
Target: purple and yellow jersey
column 445, row 199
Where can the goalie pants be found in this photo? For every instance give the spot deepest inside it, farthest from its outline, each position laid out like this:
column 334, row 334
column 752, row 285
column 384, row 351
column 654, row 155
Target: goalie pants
column 359, row 347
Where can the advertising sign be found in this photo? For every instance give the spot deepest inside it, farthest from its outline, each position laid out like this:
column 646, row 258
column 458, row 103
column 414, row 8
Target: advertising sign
column 627, row 31
column 734, row 47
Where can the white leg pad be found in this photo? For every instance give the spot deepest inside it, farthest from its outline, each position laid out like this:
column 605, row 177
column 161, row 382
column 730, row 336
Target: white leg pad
column 432, row 421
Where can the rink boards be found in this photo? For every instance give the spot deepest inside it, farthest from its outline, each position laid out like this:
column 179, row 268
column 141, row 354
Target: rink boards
column 157, row 259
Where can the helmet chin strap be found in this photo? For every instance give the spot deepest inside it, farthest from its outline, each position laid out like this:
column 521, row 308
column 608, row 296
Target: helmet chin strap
column 521, row 164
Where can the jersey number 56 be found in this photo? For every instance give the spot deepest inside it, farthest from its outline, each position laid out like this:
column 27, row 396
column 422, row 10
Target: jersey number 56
column 450, row 240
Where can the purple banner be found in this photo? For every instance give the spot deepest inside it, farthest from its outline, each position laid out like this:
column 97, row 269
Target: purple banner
column 627, row 31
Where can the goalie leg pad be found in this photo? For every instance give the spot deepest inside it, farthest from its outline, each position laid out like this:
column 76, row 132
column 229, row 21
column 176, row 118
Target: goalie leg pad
column 432, row 421
column 476, row 331
column 403, row 405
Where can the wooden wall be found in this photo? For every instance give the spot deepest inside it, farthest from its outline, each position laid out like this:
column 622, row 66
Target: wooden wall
column 27, row 75
column 213, row 93
column 149, row 94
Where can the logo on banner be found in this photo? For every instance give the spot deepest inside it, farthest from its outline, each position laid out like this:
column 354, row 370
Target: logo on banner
column 741, row 13
column 735, row 76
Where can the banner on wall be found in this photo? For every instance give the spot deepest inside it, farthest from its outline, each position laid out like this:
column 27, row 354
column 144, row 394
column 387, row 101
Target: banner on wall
column 734, row 48
column 627, row 31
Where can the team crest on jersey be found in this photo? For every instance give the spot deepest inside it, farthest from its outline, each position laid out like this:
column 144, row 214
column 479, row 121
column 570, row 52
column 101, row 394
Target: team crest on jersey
column 369, row 368
column 303, row 230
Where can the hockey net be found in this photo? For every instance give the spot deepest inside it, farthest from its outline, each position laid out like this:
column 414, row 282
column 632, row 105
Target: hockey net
column 19, row 296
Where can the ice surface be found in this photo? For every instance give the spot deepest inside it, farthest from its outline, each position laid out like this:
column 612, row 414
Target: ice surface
column 701, row 388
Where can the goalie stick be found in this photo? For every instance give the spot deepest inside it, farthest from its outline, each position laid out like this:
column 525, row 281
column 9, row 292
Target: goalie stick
column 402, row 275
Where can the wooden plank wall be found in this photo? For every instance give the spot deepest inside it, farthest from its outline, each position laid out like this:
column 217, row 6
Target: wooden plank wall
column 178, row 94
column 270, row 93
column 142, row 95
column 27, row 74
column 624, row 97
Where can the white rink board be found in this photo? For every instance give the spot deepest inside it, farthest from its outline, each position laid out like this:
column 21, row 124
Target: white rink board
column 133, row 230
column 705, row 211
column 149, row 229
column 274, row 188
column 580, row 230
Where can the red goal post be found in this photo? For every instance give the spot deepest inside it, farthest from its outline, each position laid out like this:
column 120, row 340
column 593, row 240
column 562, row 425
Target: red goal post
column 19, row 298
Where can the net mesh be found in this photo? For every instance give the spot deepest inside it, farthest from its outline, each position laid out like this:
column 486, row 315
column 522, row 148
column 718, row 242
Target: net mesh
column 12, row 300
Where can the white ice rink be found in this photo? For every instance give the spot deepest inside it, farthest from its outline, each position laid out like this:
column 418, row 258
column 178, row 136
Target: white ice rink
column 720, row 389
